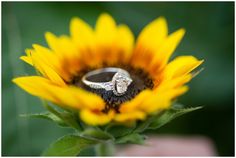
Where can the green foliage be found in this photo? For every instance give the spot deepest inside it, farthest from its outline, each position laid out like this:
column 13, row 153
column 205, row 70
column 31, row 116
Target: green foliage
column 69, row 145
column 133, row 138
column 47, row 116
column 63, row 117
column 96, row 134
column 119, row 130
column 142, row 126
column 69, row 118
column 169, row 115
column 163, row 117
column 72, row 144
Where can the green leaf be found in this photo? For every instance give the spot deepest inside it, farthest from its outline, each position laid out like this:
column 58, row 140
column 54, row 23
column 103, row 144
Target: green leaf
column 170, row 115
column 68, row 117
column 134, row 138
column 96, row 134
column 71, row 120
column 177, row 106
column 118, row 130
column 142, row 126
column 69, row 145
column 47, row 116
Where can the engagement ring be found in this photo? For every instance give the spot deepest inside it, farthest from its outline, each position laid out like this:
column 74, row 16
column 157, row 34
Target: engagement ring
column 118, row 83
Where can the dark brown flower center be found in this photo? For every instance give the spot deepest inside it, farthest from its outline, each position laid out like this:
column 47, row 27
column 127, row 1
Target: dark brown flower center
column 141, row 81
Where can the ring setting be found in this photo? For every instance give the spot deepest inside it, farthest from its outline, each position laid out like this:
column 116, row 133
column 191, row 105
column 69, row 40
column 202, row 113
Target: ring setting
column 118, row 84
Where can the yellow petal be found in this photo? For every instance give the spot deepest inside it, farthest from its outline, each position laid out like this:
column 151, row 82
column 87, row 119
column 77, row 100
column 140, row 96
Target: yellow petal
column 156, row 103
column 125, row 41
column 106, row 34
column 152, row 101
column 166, row 50
column 154, row 33
column 43, row 61
column 149, row 42
column 46, row 56
column 52, row 41
column 168, row 83
column 181, row 65
column 171, row 43
column 161, row 100
column 179, row 91
column 82, row 34
column 63, row 96
column 131, row 116
column 105, row 29
column 27, row 60
column 28, row 51
column 135, row 102
column 50, row 74
column 146, row 101
column 85, row 40
column 96, row 117
column 62, row 45
column 67, row 52
column 67, row 46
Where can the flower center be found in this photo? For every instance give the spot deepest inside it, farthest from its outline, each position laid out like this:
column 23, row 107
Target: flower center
column 141, row 81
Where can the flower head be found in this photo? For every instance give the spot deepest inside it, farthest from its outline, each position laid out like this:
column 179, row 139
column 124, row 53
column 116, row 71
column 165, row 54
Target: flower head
column 156, row 80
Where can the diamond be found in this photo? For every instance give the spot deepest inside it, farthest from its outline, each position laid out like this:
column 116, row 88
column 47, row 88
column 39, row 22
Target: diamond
column 121, row 86
column 120, row 82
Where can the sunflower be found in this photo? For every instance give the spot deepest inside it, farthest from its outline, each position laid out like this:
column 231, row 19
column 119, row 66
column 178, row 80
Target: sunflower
column 156, row 81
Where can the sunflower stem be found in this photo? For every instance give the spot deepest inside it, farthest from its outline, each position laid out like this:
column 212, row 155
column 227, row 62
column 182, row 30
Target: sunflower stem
column 105, row 149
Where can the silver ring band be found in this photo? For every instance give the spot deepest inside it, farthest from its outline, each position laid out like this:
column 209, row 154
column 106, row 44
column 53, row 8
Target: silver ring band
column 118, row 84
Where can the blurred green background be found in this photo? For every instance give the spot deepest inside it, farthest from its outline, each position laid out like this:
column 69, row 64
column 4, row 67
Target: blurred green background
column 210, row 36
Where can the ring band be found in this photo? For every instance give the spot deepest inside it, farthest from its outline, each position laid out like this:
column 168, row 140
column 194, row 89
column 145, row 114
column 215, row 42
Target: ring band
column 118, row 84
